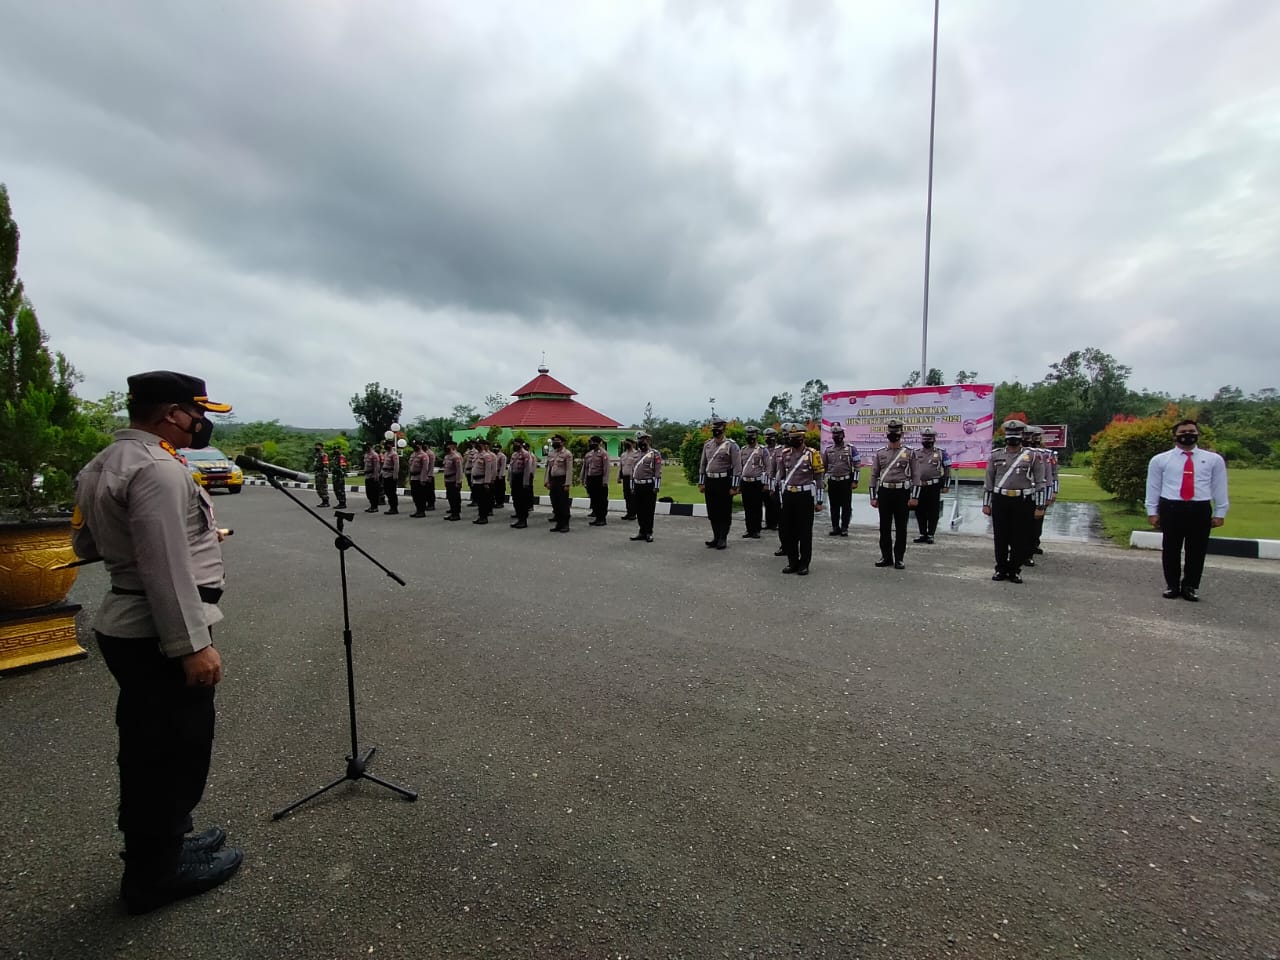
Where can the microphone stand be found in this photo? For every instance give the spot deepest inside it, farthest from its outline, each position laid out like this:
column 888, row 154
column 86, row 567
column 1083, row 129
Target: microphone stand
column 357, row 762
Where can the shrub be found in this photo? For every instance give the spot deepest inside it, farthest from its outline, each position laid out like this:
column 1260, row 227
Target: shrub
column 1124, row 447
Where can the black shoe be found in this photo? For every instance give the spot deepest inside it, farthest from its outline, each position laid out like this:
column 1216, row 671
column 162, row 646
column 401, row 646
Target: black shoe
column 899, row 565
column 721, row 545
column 480, row 520
column 999, row 575
column 779, row 553
column 1172, row 593
column 638, row 536
column 324, row 503
column 789, row 569
column 1038, row 551
column 1190, row 594
column 711, row 543
column 1015, row 578
column 1029, row 562
column 884, row 563
column 802, row 572
column 923, row 538
column 648, row 538
column 750, row 536
column 196, row 873
column 342, row 504
column 833, row 532
column 418, row 514
column 371, row 510
column 206, row 842
column 628, row 516
column 515, row 516
column 519, row 525
column 844, row 532
column 390, row 513
column 559, row 529
column 453, row 516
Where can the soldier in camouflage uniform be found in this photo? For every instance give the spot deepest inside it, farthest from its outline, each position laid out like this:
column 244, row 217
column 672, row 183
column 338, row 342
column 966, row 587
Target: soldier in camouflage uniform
column 1013, row 496
column 320, row 471
column 338, row 474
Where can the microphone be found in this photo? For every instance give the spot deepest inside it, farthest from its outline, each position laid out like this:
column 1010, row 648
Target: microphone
column 270, row 469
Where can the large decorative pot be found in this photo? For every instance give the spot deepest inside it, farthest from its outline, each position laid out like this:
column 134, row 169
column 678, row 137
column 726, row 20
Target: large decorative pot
column 37, row 625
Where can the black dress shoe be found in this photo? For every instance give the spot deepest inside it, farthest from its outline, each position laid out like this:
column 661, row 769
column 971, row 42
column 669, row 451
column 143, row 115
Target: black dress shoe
column 884, row 563
column 453, row 516
column 418, row 514
column 834, row 532
column 802, row 572
column 390, row 513
column 751, row 536
column 628, row 516
column 638, row 536
column 844, row 532
column 559, row 529
column 480, row 520
column 1015, row 578
column 649, row 538
column 1038, row 550
column 1029, row 562
column 899, row 565
column 195, row 874
column 929, row 538
column 721, row 545
column 999, row 575
column 205, row 842
column 779, row 553
column 711, row 543
column 371, row 510
column 1189, row 594
column 789, row 569
column 519, row 525
column 1171, row 593
column 923, row 538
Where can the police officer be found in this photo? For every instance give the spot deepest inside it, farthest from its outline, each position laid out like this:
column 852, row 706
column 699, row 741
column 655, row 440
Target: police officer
column 595, row 477
column 646, row 481
column 320, row 472
column 719, row 472
column 755, row 482
column 469, row 451
column 338, row 474
column 139, row 511
column 522, row 466
column 391, row 476
column 933, row 478
column 416, row 488
column 500, row 477
column 372, row 477
column 484, row 468
column 453, row 468
column 428, row 477
column 626, row 462
column 557, row 477
column 771, row 448
column 1033, row 440
column 843, row 465
column 799, row 475
column 893, row 493
column 1013, row 494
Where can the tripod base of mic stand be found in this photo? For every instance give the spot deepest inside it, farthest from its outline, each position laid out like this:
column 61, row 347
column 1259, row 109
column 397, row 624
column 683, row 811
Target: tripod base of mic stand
column 355, row 771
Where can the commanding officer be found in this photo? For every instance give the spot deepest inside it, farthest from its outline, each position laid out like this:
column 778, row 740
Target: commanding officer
column 338, row 474
column 521, row 467
column 1033, row 439
column 484, row 468
column 770, row 494
column 718, row 474
column 755, row 482
column 320, row 472
column 646, row 480
column 139, row 511
column 556, row 479
column 799, row 474
column 893, row 493
column 1186, row 498
column 1013, row 495
column 595, row 477
column 843, row 466
column 933, row 478
column 453, row 468
column 416, row 490
column 626, row 462
column 372, row 477
column 391, row 476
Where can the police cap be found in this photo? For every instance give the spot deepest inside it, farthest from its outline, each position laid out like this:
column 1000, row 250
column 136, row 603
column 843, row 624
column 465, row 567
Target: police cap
column 165, row 386
column 718, row 420
column 894, row 425
column 1033, row 431
column 837, row 428
column 643, row 435
column 1014, row 427
column 770, row 432
column 752, row 429
column 928, row 432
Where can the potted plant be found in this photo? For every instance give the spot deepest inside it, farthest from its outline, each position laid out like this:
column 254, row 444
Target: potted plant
column 44, row 440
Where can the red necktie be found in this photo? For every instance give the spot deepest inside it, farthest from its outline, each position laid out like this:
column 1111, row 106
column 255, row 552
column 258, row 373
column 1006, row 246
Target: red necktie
column 1188, row 490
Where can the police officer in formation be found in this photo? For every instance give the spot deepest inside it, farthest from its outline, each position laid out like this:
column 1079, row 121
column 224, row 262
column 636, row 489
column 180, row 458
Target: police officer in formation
column 893, row 493
column 771, row 508
column 719, row 473
column 1014, row 494
column 320, row 473
column 338, row 474
column 646, row 480
column 626, row 462
column 453, row 467
column 484, row 470
column 797, row 474
column 756, row 489
column 557, row 478
column 933, row 477
column 390, row 475
column 417, row 489
column 521, row 468
column 595, row 477
column 843, row 466
column 372, row 477
column 1033, row 438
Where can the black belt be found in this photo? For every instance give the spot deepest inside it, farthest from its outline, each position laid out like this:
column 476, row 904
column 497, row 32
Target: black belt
column 207, row 594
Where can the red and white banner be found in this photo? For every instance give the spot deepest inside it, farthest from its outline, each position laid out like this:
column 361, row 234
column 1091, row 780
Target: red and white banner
column 1055, row 435
column 963, row 415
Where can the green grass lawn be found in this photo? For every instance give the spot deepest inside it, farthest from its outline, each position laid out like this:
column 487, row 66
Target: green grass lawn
column 1254, row 513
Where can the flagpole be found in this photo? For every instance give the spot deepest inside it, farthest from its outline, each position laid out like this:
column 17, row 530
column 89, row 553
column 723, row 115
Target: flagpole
column 928, row 216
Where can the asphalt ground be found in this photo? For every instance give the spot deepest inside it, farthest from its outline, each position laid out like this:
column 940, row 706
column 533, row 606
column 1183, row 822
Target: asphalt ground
column 659, row 750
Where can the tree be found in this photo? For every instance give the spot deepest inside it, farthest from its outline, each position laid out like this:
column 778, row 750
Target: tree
column 966, row 376
column 1084, row 390
column 934, row 378
column 465, row 414
column 105, row 415
column 649, row 422
column 435, row 431
column 1124, row 447
column 376, row 410
column 811, row 399
column 778, row 410
column 494, row 402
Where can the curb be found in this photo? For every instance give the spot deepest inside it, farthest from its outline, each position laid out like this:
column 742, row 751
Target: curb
column 615, row 506
column 1218, row 546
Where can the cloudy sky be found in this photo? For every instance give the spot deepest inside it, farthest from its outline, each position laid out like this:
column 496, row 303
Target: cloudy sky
column 673, row 201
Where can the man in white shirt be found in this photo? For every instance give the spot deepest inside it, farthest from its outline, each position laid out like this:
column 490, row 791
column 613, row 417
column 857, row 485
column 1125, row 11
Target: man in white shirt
column 1186, row 498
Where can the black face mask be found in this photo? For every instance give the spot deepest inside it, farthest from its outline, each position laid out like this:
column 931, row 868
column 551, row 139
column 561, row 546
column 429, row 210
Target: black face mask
column 1186, row 439
column 927, row 444
column 1013, row 444
column 201, row 432
column 796, row 441
column 556, row 445
column 644, row 444
column 718, row 431
column 894, row 437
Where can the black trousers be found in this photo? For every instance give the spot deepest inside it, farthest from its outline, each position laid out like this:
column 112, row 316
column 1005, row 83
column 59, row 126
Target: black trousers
column 453, row 494
column 929, row 509
column 797, row 527
column 340, row 490
column 753, row 497
column 373, row 490
column 1011, row 529
column 840, row 497
column 429, row 491
column 499, row 491
column 418, row 490
column 598, row 493
column 1186, row 525
column 484, row 498
column 559, row 500
column 645, row 498
column 390, row 490
column 894, row 513
column 771, row 508
column 1037, row 531
column 166, row 741
column 521, row 496
column 719, row 505
column 628, row 497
